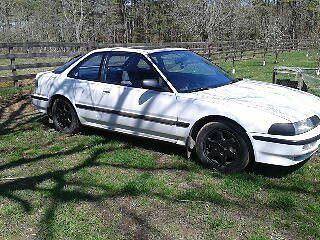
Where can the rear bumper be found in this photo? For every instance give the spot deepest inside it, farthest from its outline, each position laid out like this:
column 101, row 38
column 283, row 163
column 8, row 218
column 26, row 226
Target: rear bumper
column 40, row 102
column 282, row 151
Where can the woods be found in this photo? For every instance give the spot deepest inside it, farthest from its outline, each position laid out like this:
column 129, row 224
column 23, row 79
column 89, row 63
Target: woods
column 130, row 21
column 102, row 185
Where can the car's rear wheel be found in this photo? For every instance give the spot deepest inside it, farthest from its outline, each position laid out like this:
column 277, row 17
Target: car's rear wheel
column 223, row 147
column 64, row 116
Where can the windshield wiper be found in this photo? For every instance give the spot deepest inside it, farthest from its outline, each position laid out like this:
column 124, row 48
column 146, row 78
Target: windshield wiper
column 198, row 89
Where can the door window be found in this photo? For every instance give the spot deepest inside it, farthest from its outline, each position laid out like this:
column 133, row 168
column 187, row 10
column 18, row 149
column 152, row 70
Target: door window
column 89, row 68
column 130, row 69
column 113, row 68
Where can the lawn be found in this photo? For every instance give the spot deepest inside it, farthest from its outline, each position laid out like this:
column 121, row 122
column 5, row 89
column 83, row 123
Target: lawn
column 254, row 68
column 101, row 185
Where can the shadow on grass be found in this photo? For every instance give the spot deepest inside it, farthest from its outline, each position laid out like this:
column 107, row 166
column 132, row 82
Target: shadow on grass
column 130, row 187
column 58, row 194
column 274, row 171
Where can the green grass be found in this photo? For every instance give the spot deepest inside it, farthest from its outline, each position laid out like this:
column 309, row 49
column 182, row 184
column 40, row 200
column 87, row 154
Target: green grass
column 255, row 70
column 100, row 185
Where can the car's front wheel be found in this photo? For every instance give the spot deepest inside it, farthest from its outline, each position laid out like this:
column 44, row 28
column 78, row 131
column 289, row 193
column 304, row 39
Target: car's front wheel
column 223, row 147
column 64, row 116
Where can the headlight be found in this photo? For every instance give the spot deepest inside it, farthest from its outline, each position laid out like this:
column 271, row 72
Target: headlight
column 303, row 126
column 291, row 129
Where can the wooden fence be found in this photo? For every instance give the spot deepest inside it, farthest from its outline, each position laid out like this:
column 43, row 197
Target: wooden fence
column 215, row 51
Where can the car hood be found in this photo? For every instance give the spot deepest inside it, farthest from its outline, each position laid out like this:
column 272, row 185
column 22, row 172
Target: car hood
column 290, row 104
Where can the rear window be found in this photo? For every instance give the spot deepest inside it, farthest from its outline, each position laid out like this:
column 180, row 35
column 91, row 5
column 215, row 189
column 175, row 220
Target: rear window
column 61, row 69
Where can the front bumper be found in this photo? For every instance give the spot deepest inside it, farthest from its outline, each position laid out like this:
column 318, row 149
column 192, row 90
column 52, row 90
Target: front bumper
column 284, row 150
column 40, row 102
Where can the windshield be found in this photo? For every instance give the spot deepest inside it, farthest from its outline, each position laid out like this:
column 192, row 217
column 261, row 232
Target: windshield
column 67, row 64
column 188, row 72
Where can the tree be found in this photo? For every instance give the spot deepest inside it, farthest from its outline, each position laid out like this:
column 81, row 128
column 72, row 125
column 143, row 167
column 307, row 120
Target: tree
column 121, row 21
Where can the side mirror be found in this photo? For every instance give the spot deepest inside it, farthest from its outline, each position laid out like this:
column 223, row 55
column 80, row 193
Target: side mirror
column 151, row 84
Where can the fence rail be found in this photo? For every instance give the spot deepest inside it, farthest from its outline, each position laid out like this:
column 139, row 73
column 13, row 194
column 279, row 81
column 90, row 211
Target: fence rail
column 215, row 51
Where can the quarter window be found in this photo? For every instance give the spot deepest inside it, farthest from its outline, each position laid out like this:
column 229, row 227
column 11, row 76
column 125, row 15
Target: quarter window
column 62, row 68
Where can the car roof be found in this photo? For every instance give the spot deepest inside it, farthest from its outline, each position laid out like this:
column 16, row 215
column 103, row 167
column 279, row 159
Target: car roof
column 137, row 50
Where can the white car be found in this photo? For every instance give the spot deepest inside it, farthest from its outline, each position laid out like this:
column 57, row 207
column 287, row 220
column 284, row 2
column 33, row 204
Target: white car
column 177, row 96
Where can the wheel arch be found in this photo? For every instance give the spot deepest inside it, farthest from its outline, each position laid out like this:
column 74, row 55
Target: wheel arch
column 212, row 118
column 51, row 101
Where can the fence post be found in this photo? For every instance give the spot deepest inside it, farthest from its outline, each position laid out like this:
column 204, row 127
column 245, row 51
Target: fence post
column 209, row 51
column 233, row 62
column 13, row 68
column 277, row 53
column 318, row 71
column 274, row 76
column 265, row 53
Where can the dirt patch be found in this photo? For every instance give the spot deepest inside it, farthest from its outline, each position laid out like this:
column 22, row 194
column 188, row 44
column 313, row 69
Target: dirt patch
column 15, row 104
column 15, row 108
column 26, row 82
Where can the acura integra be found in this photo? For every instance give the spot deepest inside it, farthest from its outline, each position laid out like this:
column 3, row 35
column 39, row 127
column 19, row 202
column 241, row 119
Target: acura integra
column 175, row 95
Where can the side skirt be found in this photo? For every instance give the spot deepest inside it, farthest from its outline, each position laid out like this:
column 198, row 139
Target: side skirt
column 179, row 142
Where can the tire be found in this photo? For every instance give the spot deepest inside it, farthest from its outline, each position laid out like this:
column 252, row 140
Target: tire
column 65, row 118
column 223, row 147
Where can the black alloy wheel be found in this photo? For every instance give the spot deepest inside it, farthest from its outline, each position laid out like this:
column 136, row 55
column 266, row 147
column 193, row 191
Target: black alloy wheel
column 223, row 147
column 64, row 116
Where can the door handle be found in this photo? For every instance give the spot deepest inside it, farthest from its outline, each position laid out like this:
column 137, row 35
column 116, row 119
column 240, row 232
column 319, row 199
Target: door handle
column 106, row 91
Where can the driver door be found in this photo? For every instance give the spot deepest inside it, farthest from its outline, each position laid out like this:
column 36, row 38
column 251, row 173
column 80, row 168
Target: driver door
column 142, row 111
